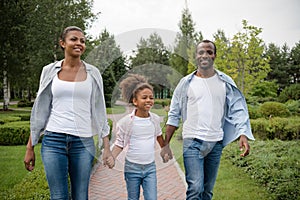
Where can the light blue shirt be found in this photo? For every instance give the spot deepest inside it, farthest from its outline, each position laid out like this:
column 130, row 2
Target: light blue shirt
column 42, row 105
column 235, row 121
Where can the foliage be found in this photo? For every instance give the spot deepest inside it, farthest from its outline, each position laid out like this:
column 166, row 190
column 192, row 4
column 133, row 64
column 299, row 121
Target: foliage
column 245, row 57
column 25, row 103
column 291, row 92
column 274, row 109
column 184, row 52
column 265, row 89
column 293, row 106
column 33, row 186
column 253, row 111
column 276, row 127
column 273, row 164
column 151, row 59
column 30, row 33
column 14, row 133
column 108, row 57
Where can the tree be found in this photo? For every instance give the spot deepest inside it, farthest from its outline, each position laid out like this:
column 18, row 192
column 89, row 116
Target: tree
column 222, row 62
column 186, row 41
column 278, row 65
column 151, row 59
column 29, row 37
column 294, row 69
column 108, row 57
column 245, row 56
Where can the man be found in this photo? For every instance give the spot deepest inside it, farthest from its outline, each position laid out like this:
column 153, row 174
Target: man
column 214, row 113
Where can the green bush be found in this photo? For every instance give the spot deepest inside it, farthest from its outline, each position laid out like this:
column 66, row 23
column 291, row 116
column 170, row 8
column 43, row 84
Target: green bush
column 254, row 112
column 273, row 164
column 24, row 103
column 33, row 186
column 14, row 133
column 163, row 102
column 293, row 106
column 280, row 128
column 274, row 109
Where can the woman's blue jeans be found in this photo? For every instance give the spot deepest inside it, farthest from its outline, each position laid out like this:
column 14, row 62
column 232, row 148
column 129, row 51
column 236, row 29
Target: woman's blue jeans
column 66, row 156
column 201, row 162
column 137, row 175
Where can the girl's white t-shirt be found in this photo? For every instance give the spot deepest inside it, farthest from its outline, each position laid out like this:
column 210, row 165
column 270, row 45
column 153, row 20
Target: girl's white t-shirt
column 205, row 109
column 142, row 141
column 71, row 107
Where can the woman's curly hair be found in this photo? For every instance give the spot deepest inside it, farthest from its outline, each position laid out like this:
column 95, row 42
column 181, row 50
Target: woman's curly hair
column 131, row 85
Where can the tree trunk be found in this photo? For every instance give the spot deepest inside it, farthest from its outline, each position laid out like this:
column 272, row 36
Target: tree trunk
column 6, row 94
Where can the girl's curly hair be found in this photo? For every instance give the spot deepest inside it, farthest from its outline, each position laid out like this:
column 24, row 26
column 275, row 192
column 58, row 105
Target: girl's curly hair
column 131, row 85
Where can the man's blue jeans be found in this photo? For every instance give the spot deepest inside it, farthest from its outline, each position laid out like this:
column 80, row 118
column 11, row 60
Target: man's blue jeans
column 137, row 175
column 201, row 162
column 64, row 155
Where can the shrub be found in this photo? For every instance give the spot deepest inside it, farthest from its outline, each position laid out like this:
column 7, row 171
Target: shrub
column 33, row 186
column 274, row 109
column 14, row 133
column 254, row 112
column 280, row 128
column 273, row 164
column 25, row 103
column 293, row 106
column 163, row 102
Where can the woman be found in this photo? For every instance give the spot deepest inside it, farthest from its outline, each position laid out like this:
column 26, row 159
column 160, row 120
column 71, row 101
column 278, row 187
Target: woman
column 70, row 110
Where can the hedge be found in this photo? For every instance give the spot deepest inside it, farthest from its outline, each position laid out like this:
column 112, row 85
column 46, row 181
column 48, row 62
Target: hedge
column 14, row 133
column 280, row 128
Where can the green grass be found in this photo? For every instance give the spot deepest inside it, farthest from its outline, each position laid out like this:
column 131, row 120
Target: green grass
column 12, row 166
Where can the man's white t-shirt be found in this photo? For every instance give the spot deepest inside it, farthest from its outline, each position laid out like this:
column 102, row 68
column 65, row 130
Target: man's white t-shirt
column 205, row 109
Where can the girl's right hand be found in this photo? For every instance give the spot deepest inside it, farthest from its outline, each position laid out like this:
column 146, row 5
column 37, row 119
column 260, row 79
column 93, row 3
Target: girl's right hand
column 110, row 162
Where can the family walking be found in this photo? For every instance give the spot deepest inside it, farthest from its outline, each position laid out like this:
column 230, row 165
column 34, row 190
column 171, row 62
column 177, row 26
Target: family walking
column 70, row 109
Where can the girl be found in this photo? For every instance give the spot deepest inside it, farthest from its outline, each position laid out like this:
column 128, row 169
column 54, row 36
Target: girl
column 137, row 133
column 70, row 108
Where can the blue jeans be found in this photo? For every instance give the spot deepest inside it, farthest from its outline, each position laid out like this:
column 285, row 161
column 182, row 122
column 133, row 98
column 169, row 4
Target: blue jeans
column 64, row 155
column 201, row 162
column 137, row 175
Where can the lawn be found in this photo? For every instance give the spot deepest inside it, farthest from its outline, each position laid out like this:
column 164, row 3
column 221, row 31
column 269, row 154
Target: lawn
column 12, row 166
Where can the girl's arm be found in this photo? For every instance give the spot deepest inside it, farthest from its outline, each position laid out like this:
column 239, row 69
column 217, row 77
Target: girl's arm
column 115, row 152
column 160, row 141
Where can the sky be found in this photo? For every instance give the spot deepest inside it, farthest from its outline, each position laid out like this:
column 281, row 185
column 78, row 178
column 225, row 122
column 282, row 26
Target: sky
column 129, row 20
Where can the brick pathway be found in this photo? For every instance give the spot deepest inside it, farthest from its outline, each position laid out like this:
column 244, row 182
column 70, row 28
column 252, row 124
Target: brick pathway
column 109, row 184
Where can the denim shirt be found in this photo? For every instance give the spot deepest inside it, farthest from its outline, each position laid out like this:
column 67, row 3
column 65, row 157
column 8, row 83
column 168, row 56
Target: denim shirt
column 235, row 121
column 124, row 128
column 43, row 103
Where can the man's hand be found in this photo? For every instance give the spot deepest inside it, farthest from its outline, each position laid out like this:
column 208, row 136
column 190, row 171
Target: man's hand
column 166, row 153
column 244, row 145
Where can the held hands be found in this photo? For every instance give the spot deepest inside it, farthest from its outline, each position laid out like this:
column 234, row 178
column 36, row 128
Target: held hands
column 108, row 159
column 166, row 153
column 243, row 144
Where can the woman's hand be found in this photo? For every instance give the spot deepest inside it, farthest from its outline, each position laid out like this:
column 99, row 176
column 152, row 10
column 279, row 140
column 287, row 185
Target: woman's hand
column 29, row 159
